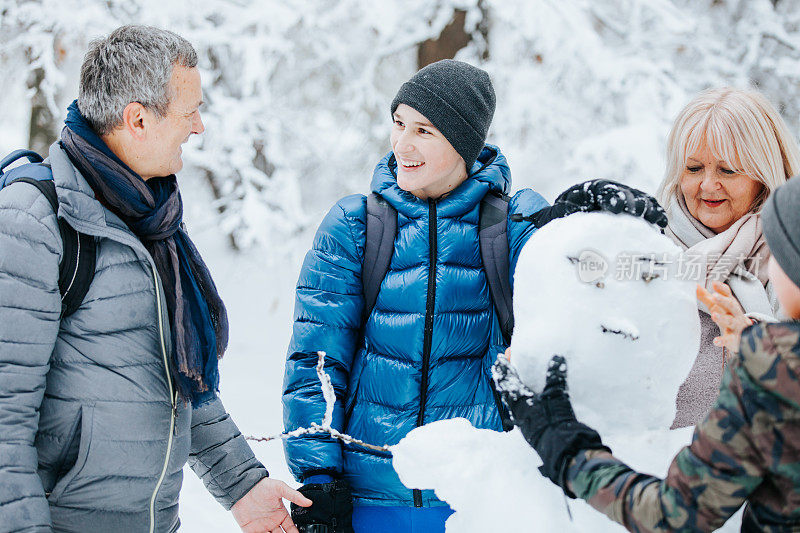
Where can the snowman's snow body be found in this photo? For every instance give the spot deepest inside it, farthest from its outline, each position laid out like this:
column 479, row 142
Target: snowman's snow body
column 610, row 294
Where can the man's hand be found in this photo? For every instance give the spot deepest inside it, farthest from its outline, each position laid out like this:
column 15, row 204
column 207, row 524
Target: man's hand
column 727, row 313
column 262, row 511
column 546, row 420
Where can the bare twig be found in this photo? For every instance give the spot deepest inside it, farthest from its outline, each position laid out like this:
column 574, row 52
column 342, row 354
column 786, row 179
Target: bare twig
column 330, row 401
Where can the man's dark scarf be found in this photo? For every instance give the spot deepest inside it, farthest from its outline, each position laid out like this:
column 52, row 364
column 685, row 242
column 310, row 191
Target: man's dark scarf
column 153, row 210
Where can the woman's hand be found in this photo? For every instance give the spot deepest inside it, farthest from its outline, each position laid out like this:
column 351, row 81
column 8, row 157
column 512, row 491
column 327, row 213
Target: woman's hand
column 727, row 313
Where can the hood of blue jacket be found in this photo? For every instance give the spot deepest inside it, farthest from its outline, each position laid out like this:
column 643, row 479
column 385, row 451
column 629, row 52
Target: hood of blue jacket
column 489, row 173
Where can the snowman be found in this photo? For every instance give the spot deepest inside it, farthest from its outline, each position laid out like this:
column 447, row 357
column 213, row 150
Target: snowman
column 611, row 294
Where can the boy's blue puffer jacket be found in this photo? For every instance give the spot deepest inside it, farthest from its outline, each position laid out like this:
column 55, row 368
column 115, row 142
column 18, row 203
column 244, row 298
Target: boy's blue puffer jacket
column 391, row 377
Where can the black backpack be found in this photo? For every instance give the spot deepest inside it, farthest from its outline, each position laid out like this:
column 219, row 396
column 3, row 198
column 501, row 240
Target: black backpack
column 76, row 270
column 492, row 233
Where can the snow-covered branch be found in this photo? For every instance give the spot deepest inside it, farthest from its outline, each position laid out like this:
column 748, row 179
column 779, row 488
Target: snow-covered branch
column 325, row 427
column 298, row 91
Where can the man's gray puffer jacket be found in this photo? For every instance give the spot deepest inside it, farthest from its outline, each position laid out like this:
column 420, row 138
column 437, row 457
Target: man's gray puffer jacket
column 92, row 437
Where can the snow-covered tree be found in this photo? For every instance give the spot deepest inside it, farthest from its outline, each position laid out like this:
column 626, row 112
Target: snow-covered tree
column 589, row 89
column 298, row 91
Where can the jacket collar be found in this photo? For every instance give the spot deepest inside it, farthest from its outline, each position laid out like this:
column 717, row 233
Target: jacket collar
column 489, row 173
column 76, row 201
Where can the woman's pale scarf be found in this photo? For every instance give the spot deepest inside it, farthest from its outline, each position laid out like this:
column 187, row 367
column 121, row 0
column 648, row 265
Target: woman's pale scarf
column 737, row 256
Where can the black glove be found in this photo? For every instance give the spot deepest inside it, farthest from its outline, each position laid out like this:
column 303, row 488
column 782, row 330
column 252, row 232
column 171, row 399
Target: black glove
column 331, row 512
column 601, row 195
column 546, row 420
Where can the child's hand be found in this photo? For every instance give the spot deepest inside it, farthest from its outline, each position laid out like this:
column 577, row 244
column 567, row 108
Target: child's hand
column 727, row 313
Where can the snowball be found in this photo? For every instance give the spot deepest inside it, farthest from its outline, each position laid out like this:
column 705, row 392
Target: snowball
column 490, row 478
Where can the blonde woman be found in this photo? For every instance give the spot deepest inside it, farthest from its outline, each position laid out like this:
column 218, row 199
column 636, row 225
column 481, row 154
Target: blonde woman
column 727, row 151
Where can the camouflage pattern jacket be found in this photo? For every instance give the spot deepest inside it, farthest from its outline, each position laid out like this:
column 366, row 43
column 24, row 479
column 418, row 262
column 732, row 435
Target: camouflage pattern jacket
column 747, row 449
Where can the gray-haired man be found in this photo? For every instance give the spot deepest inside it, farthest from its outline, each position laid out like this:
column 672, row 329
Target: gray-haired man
column 101, row 409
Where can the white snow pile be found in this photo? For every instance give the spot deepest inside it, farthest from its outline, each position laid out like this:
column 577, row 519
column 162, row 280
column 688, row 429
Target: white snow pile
column 605, row 292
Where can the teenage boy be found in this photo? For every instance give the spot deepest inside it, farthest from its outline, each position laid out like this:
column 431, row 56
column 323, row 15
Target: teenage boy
column 424, row 351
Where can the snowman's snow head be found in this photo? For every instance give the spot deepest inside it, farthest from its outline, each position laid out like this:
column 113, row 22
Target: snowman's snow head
column 606, row 292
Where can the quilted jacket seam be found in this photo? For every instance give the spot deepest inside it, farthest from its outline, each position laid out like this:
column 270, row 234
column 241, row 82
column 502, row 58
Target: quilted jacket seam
column 350, row 230
column 39, row 220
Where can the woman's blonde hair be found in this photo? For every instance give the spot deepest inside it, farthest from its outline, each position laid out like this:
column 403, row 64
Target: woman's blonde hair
column 739, row 125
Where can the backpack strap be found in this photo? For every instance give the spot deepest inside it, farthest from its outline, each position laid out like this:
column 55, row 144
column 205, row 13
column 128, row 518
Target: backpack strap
column 76, row 269
column 32, row 156
column 493, row 235
column 378, row 248
column 35, row 169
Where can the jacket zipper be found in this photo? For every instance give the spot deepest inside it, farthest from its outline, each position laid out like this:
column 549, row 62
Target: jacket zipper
column 133, row 242
column 173, row 398
column 427, row 338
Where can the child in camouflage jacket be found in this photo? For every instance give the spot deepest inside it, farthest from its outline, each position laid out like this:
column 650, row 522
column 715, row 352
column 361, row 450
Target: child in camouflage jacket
column 746, row 450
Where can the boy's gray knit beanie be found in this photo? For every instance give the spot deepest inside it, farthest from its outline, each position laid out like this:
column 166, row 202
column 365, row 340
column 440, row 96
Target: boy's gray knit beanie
column 457, row 98
column 781, row 220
